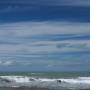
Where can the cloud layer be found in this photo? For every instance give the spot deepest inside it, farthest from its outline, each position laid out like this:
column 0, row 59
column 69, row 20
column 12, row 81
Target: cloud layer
column 50, row 35
column 51, row 45
column 44, row 37
column 44, row 34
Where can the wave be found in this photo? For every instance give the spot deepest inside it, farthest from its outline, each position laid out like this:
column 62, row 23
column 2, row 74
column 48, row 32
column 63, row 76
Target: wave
column 79, row 80
column 18, row 81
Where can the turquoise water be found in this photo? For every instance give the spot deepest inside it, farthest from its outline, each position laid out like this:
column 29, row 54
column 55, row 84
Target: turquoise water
column 48, row 74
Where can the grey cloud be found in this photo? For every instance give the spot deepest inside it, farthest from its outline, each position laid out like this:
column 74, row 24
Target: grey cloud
column 44, row 28
column 44, row 37
column 8, row 43
column 49, row 63
column 71, row 45
column 6, row 63
column 40, row 45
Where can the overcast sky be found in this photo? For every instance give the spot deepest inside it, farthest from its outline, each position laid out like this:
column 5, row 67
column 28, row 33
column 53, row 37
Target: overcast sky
column 44, row 35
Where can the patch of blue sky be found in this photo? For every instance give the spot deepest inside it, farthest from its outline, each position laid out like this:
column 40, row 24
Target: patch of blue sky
column 44, row 13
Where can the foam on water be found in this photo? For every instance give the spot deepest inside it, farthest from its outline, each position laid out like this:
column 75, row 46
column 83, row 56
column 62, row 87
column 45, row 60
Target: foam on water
column 14, row 81
column 77, row 81
column 18, row 79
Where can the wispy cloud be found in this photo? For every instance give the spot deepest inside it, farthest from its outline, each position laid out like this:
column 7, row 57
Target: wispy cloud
column 48, row 27
column 44, row 34
column 51, row 45
column 37, row 37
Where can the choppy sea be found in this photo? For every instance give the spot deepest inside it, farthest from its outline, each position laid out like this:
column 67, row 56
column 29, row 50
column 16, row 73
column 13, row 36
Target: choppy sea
column 50, row 80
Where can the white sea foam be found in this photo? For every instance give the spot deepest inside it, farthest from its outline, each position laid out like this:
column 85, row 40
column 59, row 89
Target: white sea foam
column 18, row 79
column 79, row 82
column 23, row 79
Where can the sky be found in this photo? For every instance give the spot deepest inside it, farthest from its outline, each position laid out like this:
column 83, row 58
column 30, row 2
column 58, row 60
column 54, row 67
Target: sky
column 44, row 35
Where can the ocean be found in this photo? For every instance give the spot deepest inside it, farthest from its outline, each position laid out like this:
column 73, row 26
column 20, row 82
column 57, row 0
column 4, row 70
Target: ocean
column 44, row 80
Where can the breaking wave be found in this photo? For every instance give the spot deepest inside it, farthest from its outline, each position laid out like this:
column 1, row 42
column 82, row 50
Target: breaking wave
column 67, row 83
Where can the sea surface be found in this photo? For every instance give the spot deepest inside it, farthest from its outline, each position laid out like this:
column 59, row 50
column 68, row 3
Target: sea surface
column 50, row 80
